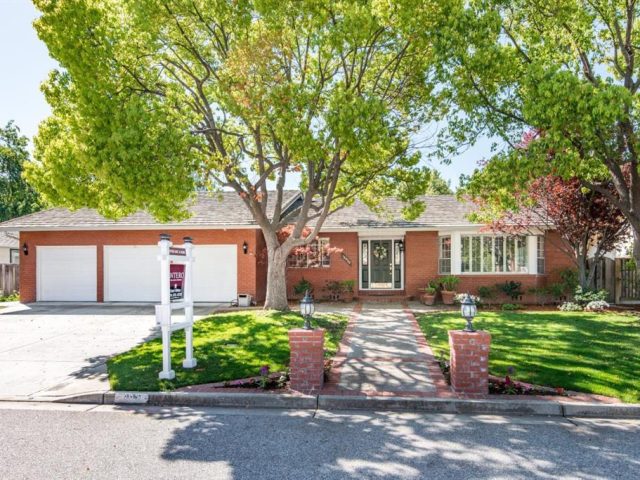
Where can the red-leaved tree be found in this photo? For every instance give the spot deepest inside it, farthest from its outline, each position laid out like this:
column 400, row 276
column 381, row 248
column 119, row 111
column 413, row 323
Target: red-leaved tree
column 588, row 225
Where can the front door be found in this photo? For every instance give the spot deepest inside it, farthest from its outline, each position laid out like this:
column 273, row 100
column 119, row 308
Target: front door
column 381, row 264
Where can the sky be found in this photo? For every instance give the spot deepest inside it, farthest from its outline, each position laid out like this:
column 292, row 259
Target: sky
column 25, row 63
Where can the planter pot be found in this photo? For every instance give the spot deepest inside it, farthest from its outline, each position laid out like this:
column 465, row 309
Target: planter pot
column 428, row 299
column 347, row 297
column 448, row 297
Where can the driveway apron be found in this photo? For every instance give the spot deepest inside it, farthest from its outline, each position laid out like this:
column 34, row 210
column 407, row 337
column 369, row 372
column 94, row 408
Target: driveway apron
column 384, row 352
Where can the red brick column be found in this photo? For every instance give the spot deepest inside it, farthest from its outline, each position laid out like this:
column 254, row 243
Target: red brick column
column 470, row 361
column 307, row 359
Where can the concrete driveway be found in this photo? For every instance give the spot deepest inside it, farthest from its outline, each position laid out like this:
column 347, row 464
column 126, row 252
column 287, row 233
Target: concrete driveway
column 51, row 351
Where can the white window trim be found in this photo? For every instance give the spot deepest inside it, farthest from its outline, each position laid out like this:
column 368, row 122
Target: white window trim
column 456, row 254
column 440, row 258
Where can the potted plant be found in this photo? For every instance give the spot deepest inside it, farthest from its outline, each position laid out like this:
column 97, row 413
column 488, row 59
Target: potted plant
column 430, row 292
column 300, row 288
column 449, row 284
column 348, row 287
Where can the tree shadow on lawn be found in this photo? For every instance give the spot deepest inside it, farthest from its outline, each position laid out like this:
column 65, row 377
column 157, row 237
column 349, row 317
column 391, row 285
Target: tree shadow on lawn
column 395, row 445
column 595, row 353
column 227, row 347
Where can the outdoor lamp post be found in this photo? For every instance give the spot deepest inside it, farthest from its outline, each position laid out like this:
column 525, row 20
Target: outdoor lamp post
column 468, row 309
column 306, row 309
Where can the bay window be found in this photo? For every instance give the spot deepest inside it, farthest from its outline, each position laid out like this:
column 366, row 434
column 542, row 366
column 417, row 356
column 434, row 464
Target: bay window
column 489, row 254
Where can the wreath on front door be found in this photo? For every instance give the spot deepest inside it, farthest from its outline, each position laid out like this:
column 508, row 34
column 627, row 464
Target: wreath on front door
column 380, row 252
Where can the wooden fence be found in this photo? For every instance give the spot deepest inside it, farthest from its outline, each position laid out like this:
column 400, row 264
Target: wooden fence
column 9, row 278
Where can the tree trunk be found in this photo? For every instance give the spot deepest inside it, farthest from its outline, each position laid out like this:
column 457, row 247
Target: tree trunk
column 582, row 271
column 276, row 298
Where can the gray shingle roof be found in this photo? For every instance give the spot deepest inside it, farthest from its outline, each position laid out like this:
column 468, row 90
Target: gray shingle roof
column 208, row 210
column 440, row 211
column 9, row 239
column 227, row 209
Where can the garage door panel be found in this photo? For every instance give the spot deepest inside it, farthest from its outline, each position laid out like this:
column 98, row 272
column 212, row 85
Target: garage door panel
column 215, row 273
column 67, row 273
column 132, row 273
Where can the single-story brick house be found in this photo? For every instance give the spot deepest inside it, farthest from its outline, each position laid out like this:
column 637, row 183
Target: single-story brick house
column 81, row 256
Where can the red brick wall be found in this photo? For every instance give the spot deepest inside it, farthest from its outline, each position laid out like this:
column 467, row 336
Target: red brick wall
column 339, row 269
column 248, row 277
column 421, row 260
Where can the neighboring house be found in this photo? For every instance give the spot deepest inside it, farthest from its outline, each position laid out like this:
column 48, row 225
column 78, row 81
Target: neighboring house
column 81, row 256
column 9, row 247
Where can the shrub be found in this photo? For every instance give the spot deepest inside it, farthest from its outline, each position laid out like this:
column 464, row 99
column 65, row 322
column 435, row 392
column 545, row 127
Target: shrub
column 487, row 293
column 584, row 297
column 569, row 278
column 430, row 290
column 540, row 293
column 302, row 286
column 348, row 286
column 570, row 307
column 596, row 306
column 511, row 289
column 511, row 306
column 449, row 282
column 12, row 297
column 556, row 290
column 334, row 287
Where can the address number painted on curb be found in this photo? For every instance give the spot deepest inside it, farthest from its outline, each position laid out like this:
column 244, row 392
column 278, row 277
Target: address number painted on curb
column 131, row 397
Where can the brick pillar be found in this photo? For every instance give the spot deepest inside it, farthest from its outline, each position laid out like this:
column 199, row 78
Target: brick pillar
column 469, row 355
column 307, row 359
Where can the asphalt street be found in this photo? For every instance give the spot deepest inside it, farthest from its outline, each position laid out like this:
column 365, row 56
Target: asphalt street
column 58, row 441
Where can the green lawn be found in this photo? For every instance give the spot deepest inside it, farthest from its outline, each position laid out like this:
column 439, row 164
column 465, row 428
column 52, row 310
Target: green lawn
column 227, row 346
column 587, row 352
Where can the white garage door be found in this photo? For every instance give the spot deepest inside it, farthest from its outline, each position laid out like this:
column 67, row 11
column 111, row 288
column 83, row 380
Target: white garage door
column 132, row 273
column 66, row 274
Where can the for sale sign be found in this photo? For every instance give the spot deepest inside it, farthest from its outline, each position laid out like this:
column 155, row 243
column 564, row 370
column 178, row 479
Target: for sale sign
column 176, row 282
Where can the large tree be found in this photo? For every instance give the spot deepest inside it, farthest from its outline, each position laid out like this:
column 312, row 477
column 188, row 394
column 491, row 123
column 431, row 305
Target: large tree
column 587, row 224
column 566, row 69
column 17, row 197
column 156, row 99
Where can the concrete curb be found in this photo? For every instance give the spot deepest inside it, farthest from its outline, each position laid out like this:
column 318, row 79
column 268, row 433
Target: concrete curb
column 440, row 405
column 195, row 399
column 599, row 410
column 348, row 402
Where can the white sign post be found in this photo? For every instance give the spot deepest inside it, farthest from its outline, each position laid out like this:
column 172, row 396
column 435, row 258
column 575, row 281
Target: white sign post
column 172, row 280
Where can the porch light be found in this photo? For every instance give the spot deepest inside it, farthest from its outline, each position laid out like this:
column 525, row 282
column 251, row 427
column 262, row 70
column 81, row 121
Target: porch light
column 245, row 248
column 25, row 248
column 468, row 310
column 401, row 245
column 306, row 309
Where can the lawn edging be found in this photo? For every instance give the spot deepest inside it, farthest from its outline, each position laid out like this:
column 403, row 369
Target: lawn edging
column 550, row 408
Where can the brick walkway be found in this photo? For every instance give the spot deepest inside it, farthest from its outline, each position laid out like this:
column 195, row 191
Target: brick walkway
column 384, row 353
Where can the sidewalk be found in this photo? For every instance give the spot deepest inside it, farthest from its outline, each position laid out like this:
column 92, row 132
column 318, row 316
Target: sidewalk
column 384, row 353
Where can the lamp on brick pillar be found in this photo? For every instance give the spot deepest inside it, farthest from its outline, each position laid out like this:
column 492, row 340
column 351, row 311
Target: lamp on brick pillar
column 469, row 354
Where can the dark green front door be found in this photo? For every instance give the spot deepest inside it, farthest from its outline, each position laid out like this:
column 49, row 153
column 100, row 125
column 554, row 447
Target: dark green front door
column 381, row 256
